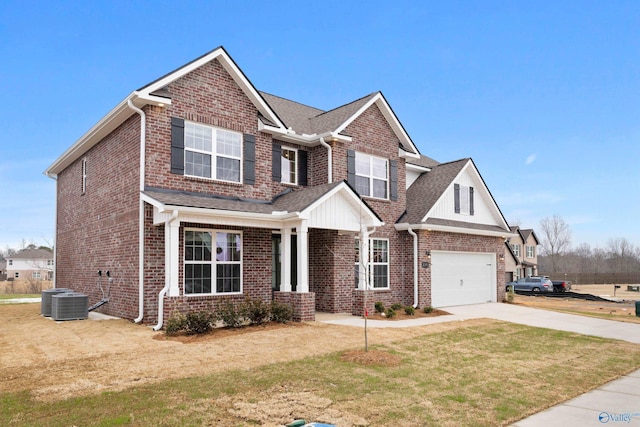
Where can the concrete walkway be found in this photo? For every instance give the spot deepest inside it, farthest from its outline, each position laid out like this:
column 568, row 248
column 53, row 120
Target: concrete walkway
column 615, row 403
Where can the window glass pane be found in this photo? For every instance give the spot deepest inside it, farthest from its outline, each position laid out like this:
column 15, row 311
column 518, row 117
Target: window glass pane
column 228, row 143
column 362, row 185
column 197, row 246
column 379, row 168
column 228, row 247
column 197, row 137
column 197, row 278
column 380, row 276
column 288, row 166
column 380, row 252
column 362, row 164
column 379, row 189
column 227, row 278
column 464, row 200
column 197, row 164
column 228, row 169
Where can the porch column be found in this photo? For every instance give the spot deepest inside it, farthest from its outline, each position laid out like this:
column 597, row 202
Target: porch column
column 363, row 277
column 285, row 267
column 303, row 258
column 171, row 254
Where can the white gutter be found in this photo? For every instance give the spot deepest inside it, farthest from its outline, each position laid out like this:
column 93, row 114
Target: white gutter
column 454, row 229
column 330, row 159
column 143, row 126
column 415, row 266
column 167, row 284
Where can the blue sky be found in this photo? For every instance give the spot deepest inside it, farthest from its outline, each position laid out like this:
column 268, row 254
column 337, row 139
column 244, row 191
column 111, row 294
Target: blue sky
column 543, row 95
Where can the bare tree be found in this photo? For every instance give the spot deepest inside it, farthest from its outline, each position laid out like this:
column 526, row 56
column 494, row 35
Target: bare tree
column 556, row 238
column 622, row 254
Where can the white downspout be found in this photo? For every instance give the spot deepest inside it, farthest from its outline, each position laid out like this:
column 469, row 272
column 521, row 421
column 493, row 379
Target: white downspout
column 143, row 138
column 167, row 283
column 415, row 267
column 330, row 158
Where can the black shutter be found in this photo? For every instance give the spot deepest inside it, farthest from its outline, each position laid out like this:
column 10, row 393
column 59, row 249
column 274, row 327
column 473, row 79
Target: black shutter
column 393, row 180
column 302, row 167
column 456, row 197
column 351, row 168
column 177, row 145
column 249, row 159
column 276, row 172
column 470, row 200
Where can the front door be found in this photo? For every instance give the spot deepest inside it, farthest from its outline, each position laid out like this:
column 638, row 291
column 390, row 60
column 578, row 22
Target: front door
column 276, row 262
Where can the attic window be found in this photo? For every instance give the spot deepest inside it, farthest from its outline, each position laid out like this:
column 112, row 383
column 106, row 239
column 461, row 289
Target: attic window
column 463, row 199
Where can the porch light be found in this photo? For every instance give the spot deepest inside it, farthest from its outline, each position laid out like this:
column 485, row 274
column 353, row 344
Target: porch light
column 428, row 253
column 501, row 256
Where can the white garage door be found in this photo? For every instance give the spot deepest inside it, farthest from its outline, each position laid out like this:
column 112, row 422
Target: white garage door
column 459, row 278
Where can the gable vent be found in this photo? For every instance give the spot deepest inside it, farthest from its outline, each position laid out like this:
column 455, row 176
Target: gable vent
column 69, row 306
column 47, row 294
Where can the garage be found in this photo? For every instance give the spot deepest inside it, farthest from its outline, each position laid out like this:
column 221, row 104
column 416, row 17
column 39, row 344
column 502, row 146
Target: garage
column 461, row 278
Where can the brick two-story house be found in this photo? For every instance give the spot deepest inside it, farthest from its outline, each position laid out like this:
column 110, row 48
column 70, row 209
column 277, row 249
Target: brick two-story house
column 198, row 188
column 524, row 246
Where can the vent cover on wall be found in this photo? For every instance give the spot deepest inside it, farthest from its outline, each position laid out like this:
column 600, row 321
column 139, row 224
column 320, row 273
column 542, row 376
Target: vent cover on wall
column 69, row 306
column 45, row 305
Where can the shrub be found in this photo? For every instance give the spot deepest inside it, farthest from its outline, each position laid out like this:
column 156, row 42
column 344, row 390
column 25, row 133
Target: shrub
column 396, row 306
column 230, row 315
column 175, row 324
column 379, row 306
column 390, row 312
column 510, row 294
column 258, row 312
column 281, row 312
column 428, row 309
column 410, row 310
column 198, row 322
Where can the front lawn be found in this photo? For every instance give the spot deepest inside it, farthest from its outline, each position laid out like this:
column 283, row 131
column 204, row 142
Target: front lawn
column 488, row 375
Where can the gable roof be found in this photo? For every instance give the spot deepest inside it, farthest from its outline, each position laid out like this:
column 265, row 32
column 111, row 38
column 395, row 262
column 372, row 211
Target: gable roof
column 154, row 94
column 428, row 189
column 528, row 232
column 32, row 254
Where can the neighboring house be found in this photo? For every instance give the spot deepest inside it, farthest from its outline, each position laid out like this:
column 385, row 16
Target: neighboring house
column 197, row 189
column 524, row 245
column 3, row 270
column 35, row 264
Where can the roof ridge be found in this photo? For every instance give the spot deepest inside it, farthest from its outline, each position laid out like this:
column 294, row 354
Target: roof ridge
column 261, row 92
column 348, row 103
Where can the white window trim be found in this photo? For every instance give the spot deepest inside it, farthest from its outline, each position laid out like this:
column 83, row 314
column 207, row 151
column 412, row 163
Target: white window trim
column 214, row 155
column 212, row 262
column 84, row 175
column 36, row 275
column 295, row 171
column 372, row 263
column 516, row 249
column 371, row 177
column 530, row 250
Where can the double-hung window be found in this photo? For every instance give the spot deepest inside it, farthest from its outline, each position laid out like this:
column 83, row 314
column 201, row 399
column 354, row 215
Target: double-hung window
column 516, row 249
column 531, row 251
column 372, row 176
column 288, row 165
column 212, row 262
column 378, row 267
column 212, row 152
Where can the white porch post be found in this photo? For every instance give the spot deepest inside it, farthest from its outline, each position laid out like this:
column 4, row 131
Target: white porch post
column 303, row 258
column 363, row 277
column 285, row 267
column 171, row 254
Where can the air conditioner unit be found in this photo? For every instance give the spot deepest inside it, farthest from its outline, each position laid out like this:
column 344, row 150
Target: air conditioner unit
column 45, row 305
column 69, row 306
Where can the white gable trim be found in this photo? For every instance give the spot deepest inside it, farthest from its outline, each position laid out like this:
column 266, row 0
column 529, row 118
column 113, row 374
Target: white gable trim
column 392, row 119
column 469, row 167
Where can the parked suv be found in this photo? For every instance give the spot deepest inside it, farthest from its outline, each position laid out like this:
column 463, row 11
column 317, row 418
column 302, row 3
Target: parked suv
column 532, row 284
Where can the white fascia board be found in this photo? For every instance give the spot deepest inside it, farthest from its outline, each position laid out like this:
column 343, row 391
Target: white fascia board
column 305, row 139
column 407, row 155
column 416, row 168
column 388, row 113
column 235, row 73
column 451, row 229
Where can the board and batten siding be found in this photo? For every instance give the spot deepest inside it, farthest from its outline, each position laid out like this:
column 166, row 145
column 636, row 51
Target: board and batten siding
column 444, row 208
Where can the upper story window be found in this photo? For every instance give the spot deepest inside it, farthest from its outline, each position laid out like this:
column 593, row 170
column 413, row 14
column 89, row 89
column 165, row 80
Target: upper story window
column 288, row 166
column 516, row 249
column 372, row 176
column 531, row 251
column 463, row 199
column 212, row 153
column 10, row 262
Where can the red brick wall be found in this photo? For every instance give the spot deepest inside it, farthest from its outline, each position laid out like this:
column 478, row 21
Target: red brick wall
column 98, row 230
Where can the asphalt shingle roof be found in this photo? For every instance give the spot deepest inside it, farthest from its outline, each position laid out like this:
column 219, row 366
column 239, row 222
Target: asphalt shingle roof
column 33, row 254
